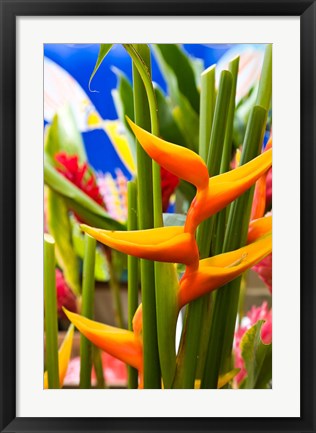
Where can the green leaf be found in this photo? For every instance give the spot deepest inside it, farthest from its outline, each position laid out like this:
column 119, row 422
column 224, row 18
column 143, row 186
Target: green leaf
column 184, row 95
column 257, row 357
column 265, row 376
column 167, row 314
column 124, row 104
column 91, row 212
column 188, row 123
column 169, row 129
column 60, row 228
column 101, row 272
column 104, row 49
column 171, row 58
column 198, row 67
column 63, row 135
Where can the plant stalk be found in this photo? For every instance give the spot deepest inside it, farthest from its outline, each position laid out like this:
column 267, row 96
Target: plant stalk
column 132, row 267
column 87, row 309
column 50, row 304
column 143, row 117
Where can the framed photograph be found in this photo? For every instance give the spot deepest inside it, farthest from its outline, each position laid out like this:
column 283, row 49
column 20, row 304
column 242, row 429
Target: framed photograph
column 147, row 127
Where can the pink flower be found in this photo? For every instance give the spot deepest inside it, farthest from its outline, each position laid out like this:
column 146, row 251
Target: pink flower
column 65, row 296
column 255, row 314
column 114, row 371
column 264, row 270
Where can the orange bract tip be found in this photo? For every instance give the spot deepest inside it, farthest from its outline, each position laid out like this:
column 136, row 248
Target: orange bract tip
column 120, row 343
column 163, row 244
column 225, row 188
column 259, row 198
column 180, row 161
column 259, row 227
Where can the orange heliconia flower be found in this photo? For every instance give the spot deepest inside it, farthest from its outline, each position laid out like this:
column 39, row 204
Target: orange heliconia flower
column 213, row 194
column 219, row 270
column 178, row 244
column 163, row 244
column 120, row 343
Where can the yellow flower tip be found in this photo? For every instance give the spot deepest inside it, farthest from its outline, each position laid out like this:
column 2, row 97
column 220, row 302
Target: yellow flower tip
column 66, row 311
column 92, row 231
column 137, row 322
column 64, row 354
column 180, row 161
column 83, row 227
column 120, row 343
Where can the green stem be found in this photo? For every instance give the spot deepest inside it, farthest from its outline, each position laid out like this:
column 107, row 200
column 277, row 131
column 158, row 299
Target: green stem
column 50, row 304
column 205, row 230
column 191, row 343
column 132, row 267
column 226, row 156
column 265, row 86
column 227, row 298
column 226, row 304
column 137, row 53
column 207, row 105
column 145, row 216
column 87, row 310
column 116, row 294
column 228, row 140
column 98, row 367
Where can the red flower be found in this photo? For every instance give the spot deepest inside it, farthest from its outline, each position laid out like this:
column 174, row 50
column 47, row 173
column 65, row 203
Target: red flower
column 169, row 182
column 79, row 175
column 65, row 296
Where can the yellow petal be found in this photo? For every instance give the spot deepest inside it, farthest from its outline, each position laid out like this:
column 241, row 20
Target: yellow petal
column 216, row 271
column 64, row 354
column 225, row 188
column 179, row 160
column 163, row 244
column 120, row 343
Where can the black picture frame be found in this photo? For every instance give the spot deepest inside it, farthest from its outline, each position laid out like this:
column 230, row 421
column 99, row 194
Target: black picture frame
column 10, row 10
